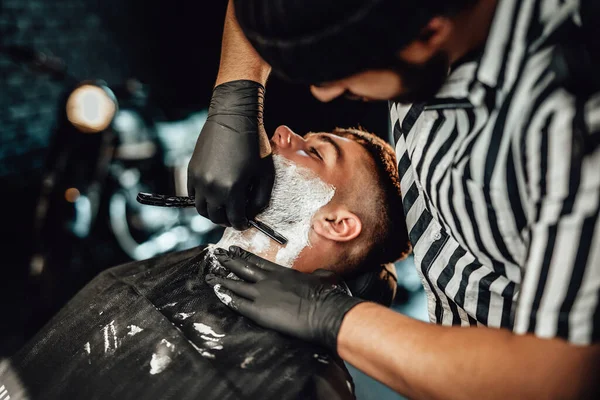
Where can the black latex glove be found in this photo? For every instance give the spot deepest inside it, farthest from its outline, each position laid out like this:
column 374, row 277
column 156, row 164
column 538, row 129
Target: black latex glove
column 228, row 177
column 308, row 306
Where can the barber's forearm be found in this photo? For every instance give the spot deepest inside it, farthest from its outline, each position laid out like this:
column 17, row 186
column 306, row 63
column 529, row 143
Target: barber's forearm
column 423, row 360
column 239, row 60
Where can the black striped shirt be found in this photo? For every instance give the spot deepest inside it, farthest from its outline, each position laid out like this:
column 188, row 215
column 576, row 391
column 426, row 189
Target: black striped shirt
column 501, row 183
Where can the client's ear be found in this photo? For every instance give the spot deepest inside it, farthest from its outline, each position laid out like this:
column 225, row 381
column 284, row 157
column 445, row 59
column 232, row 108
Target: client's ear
column 339, row 225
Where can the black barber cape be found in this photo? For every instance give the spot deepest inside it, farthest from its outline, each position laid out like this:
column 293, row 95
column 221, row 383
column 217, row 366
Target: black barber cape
column 155, row 330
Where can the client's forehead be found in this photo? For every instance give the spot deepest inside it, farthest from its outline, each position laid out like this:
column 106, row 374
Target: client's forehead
column 349, row 147
column 356, row 168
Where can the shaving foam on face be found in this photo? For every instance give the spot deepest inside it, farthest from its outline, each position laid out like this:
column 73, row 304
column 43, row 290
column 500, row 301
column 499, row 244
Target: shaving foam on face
column 298, row 193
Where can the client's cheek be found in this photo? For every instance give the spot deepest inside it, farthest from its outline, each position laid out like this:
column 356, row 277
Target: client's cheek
column 302, row 159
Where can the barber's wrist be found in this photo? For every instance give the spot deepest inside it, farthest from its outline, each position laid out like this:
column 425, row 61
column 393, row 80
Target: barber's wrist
column 244, row 98
column 251, row 91
column 349, row 323
column 339, row 304
column 258, row 72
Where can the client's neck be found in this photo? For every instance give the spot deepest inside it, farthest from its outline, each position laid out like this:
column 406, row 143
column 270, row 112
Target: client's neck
column 251, row 240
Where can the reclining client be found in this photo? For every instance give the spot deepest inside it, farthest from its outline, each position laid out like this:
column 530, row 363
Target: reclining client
column 155, row 330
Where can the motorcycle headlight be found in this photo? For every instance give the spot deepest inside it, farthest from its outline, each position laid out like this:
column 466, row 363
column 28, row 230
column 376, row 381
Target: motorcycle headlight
column 91, row 108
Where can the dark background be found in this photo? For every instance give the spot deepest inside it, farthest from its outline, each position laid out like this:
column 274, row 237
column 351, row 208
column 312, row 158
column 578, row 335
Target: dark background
column 172, row 47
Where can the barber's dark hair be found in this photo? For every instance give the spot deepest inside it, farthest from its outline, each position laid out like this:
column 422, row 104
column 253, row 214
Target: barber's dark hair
column 316, row 41
column 390, row 241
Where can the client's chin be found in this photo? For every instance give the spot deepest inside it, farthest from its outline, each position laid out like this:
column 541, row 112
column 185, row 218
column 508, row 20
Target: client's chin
column 298, row 193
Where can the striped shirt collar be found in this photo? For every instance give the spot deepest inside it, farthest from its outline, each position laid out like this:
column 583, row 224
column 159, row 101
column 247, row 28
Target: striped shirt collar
column 476, row 79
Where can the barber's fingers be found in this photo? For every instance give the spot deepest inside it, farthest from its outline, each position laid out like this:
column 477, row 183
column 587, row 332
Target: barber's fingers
column 190, row 184
column 239, row 253
column 238, row 303
column 236, row 207
column 217, row 215
column 261, row 191
column 241, row 288
column 242, row 268
column 201, row 206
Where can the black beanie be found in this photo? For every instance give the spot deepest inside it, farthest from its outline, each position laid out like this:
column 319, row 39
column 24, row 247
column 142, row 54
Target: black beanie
column 315, row 41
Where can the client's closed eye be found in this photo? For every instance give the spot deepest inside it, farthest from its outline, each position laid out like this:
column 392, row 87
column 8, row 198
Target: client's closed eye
column 314, row 151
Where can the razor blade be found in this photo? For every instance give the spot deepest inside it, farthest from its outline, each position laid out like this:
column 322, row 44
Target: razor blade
column 160, row 200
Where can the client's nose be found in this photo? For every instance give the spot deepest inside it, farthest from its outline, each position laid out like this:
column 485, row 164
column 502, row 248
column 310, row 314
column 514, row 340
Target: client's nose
column 283, row 137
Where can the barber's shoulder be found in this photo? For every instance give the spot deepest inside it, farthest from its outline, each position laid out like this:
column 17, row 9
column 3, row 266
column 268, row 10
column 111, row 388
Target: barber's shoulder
column 554, row 80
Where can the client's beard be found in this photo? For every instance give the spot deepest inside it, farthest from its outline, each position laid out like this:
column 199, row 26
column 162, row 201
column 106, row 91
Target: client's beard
column 298, row 193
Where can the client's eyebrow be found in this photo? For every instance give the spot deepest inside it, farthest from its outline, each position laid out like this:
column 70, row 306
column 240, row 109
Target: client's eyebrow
column 327, row 139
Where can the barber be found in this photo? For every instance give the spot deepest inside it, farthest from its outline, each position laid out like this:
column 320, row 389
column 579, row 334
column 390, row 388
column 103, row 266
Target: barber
column 500, row 167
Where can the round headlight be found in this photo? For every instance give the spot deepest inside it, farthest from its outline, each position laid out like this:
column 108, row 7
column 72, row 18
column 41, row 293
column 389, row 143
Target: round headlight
column 90, row 108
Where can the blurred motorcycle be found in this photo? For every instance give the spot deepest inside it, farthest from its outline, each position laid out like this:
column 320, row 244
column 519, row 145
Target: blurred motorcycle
column 108, row 144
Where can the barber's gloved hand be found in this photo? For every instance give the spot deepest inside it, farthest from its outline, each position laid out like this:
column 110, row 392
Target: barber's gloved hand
column 308, row 306
column 231, row 173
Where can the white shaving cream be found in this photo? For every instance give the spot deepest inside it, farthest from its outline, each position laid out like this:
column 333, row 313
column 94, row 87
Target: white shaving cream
column 111, row 342
column 247, row 362
column 203, row 352
column 212, row 340
column 225, row 298
column 321, row 359
column 159, row 363
column 160, row 359
column 183, row 315
column 249, row 358
column 298, row 193
column 207, row 330
column 133, row 330
column 213, row 266
column 233, row 276
column 209, row 338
